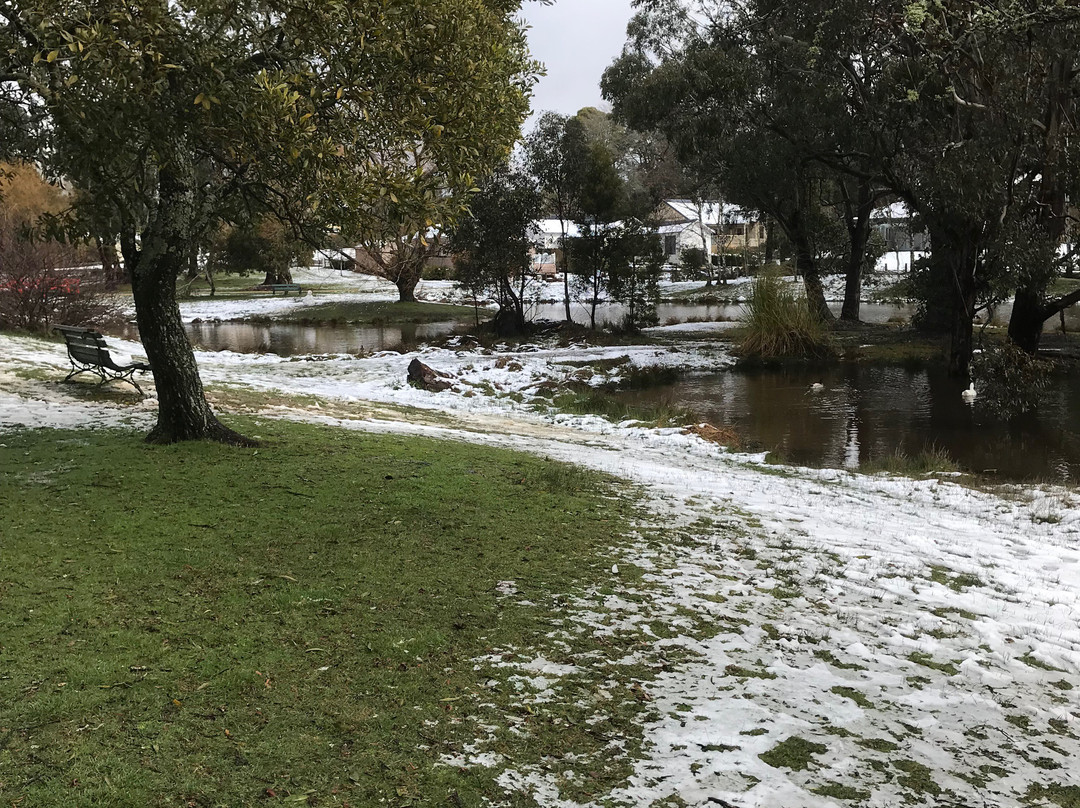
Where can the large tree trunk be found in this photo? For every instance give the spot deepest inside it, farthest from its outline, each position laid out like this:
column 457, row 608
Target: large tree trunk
column 272, row 276
column 407, row 277
column 111, row 269
column 406, row 289
column 1029, row 314
column 1029, row 309
column 1026, row 322
column 852, row 290
column 949, row 300
column 183, row 412
column 806, row 265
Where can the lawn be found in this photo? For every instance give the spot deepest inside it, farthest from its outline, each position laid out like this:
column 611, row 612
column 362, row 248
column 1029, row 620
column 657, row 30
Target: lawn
column 198, row 625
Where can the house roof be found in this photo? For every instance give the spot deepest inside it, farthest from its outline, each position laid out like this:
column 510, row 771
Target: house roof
column 712, row 213
column 552, row 227
column 897, row 211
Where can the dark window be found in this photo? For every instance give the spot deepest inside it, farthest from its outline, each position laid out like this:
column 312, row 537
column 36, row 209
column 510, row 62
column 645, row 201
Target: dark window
column 669, row 245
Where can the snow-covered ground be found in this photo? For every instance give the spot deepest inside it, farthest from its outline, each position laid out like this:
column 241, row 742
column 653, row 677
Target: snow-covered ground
column 812, row 637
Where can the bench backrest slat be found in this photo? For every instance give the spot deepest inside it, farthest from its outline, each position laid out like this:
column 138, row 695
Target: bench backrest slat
column 86, row 345
column 91, row 356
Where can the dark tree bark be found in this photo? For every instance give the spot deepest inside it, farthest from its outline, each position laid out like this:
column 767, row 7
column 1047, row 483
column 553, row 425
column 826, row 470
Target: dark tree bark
column 806, row 265
column 281, row 275
column 406, row 283
column 183, row 412
column 770, row 240
column 1030, row 310
column 793, row 219
column 858, row 207
column 949, row 300
column 560, row 257
column 110, row 262
column 1026, row 322
column 1030, row 313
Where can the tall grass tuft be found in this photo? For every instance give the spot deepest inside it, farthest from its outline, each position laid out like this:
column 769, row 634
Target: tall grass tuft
column 930, row 459
column 781, row 324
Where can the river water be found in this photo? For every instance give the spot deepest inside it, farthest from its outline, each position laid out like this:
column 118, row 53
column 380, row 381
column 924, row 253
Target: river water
column 862, row 414
column 865, row 413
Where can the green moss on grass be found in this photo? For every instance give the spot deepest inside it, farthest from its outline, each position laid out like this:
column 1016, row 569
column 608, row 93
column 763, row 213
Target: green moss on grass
column 838, row 791
column 878, row 744
column 828, row 656
column 917, row 777
column 747, row 673
column 928, row 661
column 1065, row 796
column 1032, row 662
column 795, row 753
column 854, row 695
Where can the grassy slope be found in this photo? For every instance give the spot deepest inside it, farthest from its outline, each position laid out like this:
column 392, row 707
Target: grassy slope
column 200, row 625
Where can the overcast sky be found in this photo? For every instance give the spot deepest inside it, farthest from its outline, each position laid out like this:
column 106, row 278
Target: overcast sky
column 576, row 40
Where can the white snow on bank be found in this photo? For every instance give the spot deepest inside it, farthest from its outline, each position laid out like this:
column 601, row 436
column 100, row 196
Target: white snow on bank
column 924, row 636
column 677, row 328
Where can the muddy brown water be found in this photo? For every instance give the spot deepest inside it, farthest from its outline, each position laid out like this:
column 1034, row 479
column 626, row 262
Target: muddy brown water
column 863, row 414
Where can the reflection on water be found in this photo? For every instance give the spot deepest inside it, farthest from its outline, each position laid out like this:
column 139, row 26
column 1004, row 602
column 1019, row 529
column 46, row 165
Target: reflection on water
column 291, row 339
column 867, row 413
column 668, row 313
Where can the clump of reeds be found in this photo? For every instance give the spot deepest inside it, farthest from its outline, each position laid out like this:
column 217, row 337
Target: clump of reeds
column 780, row 324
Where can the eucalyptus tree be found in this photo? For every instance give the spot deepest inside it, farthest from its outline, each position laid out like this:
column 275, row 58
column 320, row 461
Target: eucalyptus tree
column 172, row 114
column 727, row 109
column 961, row 109
column 601, row 203
column 555, row 156
column 492, row 243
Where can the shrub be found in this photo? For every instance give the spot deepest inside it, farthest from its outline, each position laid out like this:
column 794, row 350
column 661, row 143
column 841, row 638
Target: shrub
column 781, row 324
column 1008, row 380
column 39, row 288
column 434, row 273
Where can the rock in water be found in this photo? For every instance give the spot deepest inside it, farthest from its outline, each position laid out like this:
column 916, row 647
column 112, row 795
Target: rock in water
column 427, row 378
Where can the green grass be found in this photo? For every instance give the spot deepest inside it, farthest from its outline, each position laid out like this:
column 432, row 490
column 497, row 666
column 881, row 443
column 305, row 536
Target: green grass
column 203, row 625
column 380, row 312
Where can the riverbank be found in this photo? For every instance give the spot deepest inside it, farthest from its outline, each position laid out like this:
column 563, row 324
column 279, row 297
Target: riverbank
column 778, row 635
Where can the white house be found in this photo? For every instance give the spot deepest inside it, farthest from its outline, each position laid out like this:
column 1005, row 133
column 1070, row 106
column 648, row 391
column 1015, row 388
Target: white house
column 716, row 226
column 546, row 235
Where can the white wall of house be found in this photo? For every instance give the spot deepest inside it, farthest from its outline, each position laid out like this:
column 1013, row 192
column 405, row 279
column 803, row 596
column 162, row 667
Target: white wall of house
column 676, row 238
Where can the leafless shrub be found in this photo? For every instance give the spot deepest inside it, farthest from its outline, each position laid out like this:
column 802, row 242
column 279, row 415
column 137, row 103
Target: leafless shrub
column 42, row 284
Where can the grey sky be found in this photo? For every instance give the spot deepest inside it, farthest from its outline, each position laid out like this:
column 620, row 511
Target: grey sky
column 576, row 40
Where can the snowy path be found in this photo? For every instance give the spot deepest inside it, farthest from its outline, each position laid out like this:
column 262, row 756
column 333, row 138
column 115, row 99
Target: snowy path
column 845, row 640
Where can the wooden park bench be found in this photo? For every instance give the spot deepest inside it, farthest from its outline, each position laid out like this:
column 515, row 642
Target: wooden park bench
column 284, row 288
column 89, row 354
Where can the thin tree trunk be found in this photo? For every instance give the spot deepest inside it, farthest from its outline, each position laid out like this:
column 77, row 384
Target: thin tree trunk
column 859, row 207
column 183, row 412
column 806, row 264
column 560, row 255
